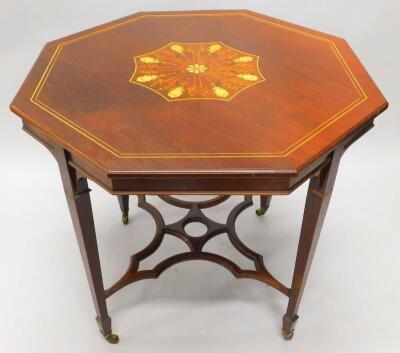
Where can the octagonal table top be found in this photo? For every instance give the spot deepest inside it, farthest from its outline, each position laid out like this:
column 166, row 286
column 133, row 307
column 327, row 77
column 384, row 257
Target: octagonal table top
column 205, row 91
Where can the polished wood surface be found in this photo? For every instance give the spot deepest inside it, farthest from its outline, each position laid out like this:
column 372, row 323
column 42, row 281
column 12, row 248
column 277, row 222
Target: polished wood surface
column 206, row 102
column 196, row 244
column 314, row 94
column 80, row 207
column 318, row 196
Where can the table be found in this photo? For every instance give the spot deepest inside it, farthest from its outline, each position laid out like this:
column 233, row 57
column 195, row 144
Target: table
column 206, row 102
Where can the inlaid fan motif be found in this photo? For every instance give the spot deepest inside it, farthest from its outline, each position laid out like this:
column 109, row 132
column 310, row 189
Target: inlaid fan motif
column 182, row 71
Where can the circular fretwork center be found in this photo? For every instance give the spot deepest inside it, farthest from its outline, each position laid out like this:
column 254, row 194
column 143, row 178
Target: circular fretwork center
column 195, row 229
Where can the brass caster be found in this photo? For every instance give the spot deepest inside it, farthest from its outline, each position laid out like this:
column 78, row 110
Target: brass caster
column 112, row 338
column 125, row 218
column 261, row 211
column 287, row 336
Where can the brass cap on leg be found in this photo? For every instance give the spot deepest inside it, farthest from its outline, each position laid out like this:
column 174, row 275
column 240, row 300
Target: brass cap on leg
column 112, row 338
column 261, row 211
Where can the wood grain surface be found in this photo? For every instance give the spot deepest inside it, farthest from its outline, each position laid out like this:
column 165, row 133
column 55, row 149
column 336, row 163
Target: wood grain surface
column 315, row 93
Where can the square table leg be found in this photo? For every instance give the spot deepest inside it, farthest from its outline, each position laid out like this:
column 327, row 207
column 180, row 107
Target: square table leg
column 78, row 198
column 265, row 201
column 318, row 197
column 123, row 201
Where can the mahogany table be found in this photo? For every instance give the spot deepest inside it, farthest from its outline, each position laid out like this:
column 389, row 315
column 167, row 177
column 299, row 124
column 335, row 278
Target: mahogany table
column 207, row 102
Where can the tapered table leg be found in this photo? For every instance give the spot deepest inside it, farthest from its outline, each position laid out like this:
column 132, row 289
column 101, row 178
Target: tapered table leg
column 318, row 197
column 78, row 198
column 265, row 201
column 123, row 201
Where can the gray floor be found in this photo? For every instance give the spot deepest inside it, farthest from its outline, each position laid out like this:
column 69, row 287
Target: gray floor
column 352, row 299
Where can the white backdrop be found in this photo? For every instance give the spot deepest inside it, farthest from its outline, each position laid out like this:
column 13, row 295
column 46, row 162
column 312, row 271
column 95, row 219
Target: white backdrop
column 352, row 300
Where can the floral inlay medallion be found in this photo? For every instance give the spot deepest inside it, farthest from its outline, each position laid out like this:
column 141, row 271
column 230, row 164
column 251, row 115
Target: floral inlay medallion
column 182, row 71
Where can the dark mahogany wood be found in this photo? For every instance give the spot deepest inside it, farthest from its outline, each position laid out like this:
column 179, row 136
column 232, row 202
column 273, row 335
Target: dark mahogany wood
column 131, row 140
column 314, row 101
column 123, row 201
column 265, row 200
column 196, row 244
column 318, row 197
column 78, row 198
